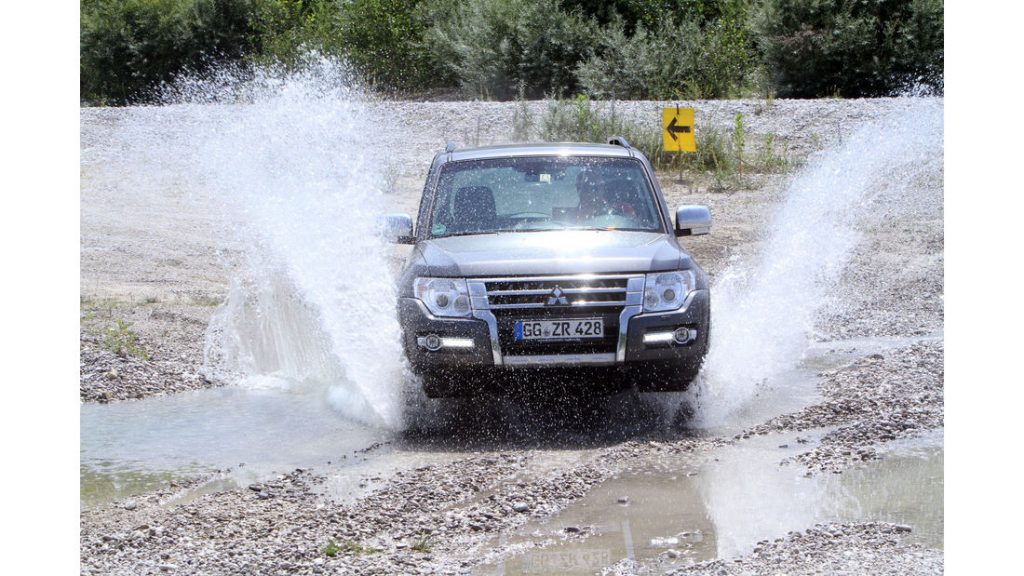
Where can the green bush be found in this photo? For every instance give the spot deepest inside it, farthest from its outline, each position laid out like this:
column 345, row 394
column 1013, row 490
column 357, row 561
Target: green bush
column 768, row 159
column 288, row 30
column 492, row 47
column 384, row 41
column 656, row 49
column 128, row 48
column 697, row 57
column 851, row 48
column 654, row 64
column 381, row 39
column 577, row 120
column 584, row 120
column 727, row 60
column 637, row 13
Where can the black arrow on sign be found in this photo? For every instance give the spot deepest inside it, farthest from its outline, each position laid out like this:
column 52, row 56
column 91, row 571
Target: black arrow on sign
column 673, row 129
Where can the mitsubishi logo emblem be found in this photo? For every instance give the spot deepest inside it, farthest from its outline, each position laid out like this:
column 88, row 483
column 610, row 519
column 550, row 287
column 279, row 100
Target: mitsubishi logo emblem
column 558, row 297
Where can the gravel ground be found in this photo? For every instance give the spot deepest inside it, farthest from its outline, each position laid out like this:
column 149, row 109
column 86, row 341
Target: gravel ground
column 876, row 399
column 868, row 548
column 136, row 351
column 432, row 519
column 155, row 261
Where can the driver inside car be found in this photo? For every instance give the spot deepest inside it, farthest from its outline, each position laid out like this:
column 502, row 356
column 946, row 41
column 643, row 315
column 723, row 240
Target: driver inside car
column 597, row 198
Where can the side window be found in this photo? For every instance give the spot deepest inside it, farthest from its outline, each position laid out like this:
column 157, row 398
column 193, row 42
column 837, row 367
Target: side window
column 444, row 217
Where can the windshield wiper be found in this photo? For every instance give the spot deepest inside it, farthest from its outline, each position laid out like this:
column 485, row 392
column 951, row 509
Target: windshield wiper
column 474, row 233
column 611, row 229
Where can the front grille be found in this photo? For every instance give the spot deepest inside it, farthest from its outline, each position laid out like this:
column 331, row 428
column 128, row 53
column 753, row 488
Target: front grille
column 544, row 293
column 553, row 298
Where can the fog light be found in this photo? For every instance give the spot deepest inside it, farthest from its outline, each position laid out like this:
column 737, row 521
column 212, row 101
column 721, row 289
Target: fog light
column 658, row 337
column 681, row 335
column 432, row 342
column 457, row 342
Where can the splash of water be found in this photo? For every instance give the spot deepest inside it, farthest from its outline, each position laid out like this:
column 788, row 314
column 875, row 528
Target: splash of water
column 764, row 312
column 289, row 158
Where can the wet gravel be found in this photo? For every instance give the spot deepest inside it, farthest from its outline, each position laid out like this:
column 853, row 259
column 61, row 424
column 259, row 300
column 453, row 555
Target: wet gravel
column 876, row 399
column 865, row 548
column 431, row 519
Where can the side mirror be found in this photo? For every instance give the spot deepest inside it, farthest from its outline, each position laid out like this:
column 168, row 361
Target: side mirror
column 397, row 228
column 693, row 220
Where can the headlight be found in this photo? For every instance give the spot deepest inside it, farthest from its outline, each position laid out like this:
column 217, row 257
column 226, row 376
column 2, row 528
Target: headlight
column 444, row 296
column 668, row 290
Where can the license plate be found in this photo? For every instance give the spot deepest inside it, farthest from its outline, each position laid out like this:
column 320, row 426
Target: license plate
column 559, row 329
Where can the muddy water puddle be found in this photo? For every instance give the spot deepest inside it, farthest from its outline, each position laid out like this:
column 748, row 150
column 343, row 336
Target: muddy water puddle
column 234, row 436
column 131, row 447
column 673, row 512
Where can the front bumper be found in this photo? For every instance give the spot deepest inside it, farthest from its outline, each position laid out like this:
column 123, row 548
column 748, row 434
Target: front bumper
column 477, row 341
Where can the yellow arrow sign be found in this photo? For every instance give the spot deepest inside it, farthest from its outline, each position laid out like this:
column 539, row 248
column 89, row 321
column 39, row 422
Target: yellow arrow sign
column 677, row 133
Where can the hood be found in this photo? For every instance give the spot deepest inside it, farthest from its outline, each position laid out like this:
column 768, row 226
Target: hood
column 553, row 252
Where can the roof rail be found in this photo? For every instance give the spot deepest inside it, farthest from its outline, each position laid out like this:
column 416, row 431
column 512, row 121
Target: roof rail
column 449, row 147
column 619, row 141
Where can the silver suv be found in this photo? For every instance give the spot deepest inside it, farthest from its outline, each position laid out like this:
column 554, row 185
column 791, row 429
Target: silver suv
column 535, row 258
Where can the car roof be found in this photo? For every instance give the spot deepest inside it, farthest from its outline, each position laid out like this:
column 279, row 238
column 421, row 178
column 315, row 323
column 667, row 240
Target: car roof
column 545, row 149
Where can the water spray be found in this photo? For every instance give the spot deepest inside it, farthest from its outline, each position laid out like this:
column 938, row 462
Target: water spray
column 764, row 311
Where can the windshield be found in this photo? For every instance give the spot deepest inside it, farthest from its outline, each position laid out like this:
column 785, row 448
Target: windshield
column 527, row 194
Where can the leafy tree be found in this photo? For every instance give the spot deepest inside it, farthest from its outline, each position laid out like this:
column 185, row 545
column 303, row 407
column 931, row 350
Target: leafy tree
column 652, row 63
column 495, row 47
column 130, row 47
column 288, row 30
column 851, row 48
column 629, row 14
column 706, row 56
column 384, row 40
column 661, row 49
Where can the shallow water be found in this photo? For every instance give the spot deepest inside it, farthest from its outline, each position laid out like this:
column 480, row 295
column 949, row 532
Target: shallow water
column 130, row 447
column 721, row 506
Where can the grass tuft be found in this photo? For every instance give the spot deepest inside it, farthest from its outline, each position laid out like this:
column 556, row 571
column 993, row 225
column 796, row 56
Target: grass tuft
column 333, row 548
column 123, row 341
column 768, row 160
column 423, row 544
column 199, row 298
